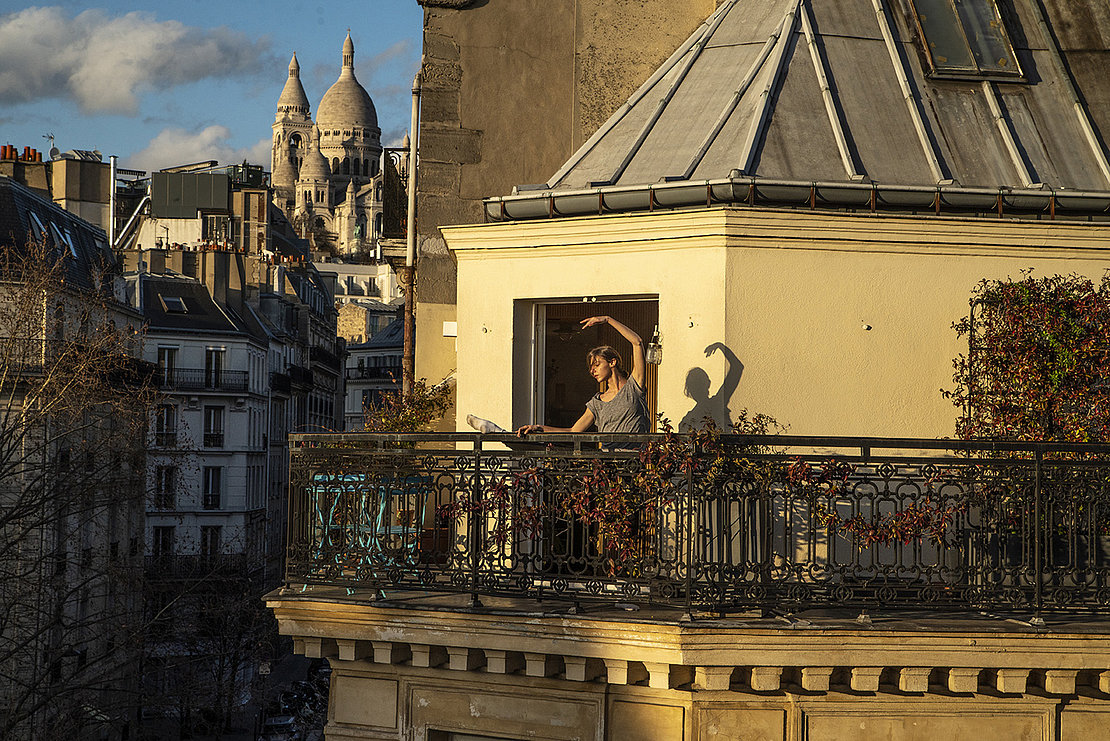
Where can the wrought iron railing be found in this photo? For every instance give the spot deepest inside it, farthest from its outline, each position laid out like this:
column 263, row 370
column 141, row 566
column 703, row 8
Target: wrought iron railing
column 165, row 439
column 782, row 522
column 199, row 566
column 200, row 379
column 280, row 383
column 389, row 373
column 324, row 357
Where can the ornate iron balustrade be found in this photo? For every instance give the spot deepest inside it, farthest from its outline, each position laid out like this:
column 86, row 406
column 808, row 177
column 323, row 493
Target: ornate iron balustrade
column 200, row 567
column 754, row 522
column 281, row 384
column 199, row 379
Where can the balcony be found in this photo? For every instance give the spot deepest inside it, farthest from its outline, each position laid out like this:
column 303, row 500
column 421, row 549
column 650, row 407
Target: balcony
column 194, row 566
column 744, row 523
column 165, row 439
column 324, row 357
column 300, row 376
column 199, row 379
column 213, row 439
column 281, row 384
column 381, row 373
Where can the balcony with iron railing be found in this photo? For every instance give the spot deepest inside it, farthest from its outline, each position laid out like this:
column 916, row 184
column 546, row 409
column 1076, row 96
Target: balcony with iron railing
column 200, row 379
column 300, row 376
column 165, row 438
column 200, row 567
column 324, row 357
column 375, row 373
column 280, row 383
column 705, row 524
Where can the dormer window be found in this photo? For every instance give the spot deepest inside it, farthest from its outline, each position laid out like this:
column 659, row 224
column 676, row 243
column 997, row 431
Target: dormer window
column 965, row 39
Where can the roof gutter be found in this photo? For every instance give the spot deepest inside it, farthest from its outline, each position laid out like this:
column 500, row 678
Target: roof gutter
column 756, row 191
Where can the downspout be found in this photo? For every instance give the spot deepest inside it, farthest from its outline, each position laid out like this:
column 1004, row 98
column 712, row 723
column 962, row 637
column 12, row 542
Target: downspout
column 408, row 357
column 112, row 202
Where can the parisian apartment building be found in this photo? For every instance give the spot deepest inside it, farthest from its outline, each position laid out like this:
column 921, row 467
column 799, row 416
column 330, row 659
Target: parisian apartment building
column 240, row 339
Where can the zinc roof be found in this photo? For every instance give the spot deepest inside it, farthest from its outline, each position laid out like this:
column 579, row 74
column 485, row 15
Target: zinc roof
column 842, row 91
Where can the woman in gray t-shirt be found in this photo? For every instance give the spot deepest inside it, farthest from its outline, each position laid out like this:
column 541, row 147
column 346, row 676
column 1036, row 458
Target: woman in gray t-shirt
column 620, row 405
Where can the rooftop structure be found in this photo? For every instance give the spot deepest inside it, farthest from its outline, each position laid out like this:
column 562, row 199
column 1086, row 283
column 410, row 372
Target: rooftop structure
column 905, row 105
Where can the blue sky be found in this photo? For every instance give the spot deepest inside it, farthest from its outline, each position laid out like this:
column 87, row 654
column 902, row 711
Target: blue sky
column 163, row 84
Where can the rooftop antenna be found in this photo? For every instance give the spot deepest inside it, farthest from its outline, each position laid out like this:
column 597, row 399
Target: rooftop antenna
column 54, row 152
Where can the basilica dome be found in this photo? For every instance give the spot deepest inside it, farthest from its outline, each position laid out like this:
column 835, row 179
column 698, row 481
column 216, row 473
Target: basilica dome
column 346, row 104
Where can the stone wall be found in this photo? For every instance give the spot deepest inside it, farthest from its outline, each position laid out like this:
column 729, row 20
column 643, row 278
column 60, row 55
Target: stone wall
column 511, row 88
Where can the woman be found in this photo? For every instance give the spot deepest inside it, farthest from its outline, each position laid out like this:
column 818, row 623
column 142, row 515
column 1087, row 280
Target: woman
column 620, row 405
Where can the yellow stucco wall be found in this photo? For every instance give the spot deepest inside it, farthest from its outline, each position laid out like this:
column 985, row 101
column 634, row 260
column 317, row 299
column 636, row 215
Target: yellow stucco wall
column 791, row 293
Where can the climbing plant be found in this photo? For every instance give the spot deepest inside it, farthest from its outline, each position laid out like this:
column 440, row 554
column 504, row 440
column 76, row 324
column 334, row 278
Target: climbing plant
column 1038, row 361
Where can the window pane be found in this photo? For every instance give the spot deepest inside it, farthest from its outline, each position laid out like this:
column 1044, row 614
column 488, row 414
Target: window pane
column 986, row 36
column 943, row 35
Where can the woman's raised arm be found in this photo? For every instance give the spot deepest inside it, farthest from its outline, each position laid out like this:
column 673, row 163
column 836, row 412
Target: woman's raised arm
column 638, row 362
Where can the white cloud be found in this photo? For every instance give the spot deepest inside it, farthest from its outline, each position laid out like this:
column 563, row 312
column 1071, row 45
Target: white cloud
column 399, row 50
column 174, row 146
column 104, row 63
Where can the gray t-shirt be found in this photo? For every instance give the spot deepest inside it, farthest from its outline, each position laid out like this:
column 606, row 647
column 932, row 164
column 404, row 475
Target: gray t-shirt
column 625, row 412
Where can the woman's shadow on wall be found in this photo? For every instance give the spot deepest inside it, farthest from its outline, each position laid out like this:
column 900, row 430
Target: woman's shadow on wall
column 711, row 406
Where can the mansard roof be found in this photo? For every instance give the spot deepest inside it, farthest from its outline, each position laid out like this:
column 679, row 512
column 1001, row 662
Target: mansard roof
column 26, row 216
column 854, row 91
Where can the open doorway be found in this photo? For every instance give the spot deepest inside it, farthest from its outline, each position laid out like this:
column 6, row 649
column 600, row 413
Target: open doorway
column 563, row 384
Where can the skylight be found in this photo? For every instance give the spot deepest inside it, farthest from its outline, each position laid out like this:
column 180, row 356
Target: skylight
column 41, row 235
column 172, row 304
column 965, row 38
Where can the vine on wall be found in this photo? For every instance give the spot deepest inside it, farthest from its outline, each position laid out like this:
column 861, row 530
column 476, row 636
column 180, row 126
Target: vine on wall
column 1038, row 365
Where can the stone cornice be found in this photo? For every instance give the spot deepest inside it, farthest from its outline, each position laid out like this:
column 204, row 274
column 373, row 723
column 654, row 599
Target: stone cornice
column 731, row 226
column 453, row 4
column 708, row 654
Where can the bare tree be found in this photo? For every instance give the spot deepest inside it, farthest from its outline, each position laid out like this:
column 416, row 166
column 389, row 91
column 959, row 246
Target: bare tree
column 74, row 407
column 208, row 628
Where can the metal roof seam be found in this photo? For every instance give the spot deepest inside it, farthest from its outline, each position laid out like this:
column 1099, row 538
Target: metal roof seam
column 1069, row 88
column 642, row 91
column 832, row 109
column 730, row 107
column 1005, row 129
column 759, row 121
column 913, row 105
column 692, row 57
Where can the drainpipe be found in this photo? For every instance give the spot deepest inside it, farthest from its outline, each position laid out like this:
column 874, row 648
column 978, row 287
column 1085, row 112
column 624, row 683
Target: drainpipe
column 408, row 277
column 112, row 202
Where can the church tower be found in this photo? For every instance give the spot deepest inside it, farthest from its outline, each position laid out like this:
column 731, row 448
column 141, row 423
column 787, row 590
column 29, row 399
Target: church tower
column 292, row 132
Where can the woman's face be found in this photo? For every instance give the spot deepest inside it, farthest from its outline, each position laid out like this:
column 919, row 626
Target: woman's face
column 602, row 369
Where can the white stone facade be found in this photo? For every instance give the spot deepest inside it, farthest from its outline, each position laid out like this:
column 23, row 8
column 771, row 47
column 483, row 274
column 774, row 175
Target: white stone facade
column 326, row 173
